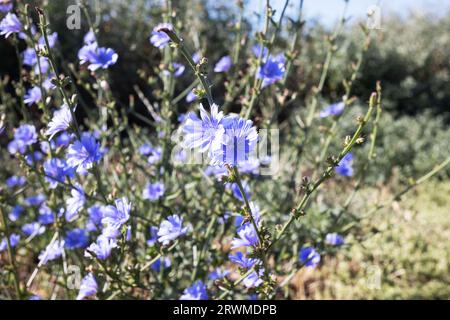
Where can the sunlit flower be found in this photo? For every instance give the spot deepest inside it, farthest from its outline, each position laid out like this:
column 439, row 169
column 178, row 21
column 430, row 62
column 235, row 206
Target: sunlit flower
column 223, row 65
column 52, row 252
column 158, row 38
column 88, row 287
column 334, row 109
column 153, row 191
column 272, row 70
column 76, row 238
column 309, row 257
column 247, row 237
column 10, row 24
column 13, row 241
column 171, row 229
column 75, row 203
column 56, row 171
column 101, row 248
column 33, row 229
column 62, row 119
column 334, row 239
column 83, row 153
column 24, row 136
column 195, row 292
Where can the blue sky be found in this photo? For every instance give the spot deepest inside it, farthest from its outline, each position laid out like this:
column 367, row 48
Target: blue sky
column 329, row 11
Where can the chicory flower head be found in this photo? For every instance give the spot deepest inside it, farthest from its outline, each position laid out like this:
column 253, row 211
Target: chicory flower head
column 218, row 273
column 334, row 239
column 191, row 96
column 237, row 142
column 101, row 248
column 75, row 203
column 153, row 236
column 52, row 252
column 29, row 57
column 88, row 287
column 13, row 241
column 6, row 5
column 33, row 229
column 24, row 136
column 62, row 118
column 83, row 153
column 202, row 132
column 158, row 264
column 158, row 38
column 76, row 238
column 171, row 229
column 10, row 24
column 309, row 257
column 247, row 237
column 56, row 170
column 114, row 217
column 15, row 181
column 97, row 57
column 272, row 70
column 223, row 65
column 195, row 292
column 334, row 109
column 35, row 201
column 153, row 191
column 15, row 212
column 345, row 166
column 34, row 95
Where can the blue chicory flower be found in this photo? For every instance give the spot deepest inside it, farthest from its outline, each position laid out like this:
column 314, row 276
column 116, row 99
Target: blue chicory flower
column 237, row 142
column 29, row 57
column 33, row 229
column 247, row 237
column 238, row 221
column 56, row 170
column 83, row 153
column 158, row 38
column 97, row 57
column 334, row 239
column 171, row 229
column 153, row 236
column 195, row 292
column 10, row 24
column 237, row 193
column 6, row 5
column 15, row 212
column 24, row 136
column 253, row 279
column 34, row 95
column 223, row 65
column 15, row 181
column 201, row 133
column 101, row 248
column 153, row 191
column 309, row 257
column 75, row 203
column 52, row 252
column 61, row 121
column 76, row 238
column 218, row 273
column 14, row 239
column 88, row 287
column 334, row 109
column 114, row 217
column 34, row 201
column 345, row 166
column 242, row 261
column 191, row 96
column 272, row 70
column 95, row 216
column 46, row 215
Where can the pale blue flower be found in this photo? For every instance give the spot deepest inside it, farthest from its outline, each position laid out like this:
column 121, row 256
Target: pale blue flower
column 201, row 133
column 15, row 212
column 309, row 257
column 13, row 241
column 334, row 239
column 88, row 287
column 84, row 153
column 171, row 229
column 242, row 261
column 253, row 279
column 33, row 229
column 10, row 24
column 52, row 38
column 334, row 109
column 56, row 171
column 158, row 38
column 52, row 252
column 238, row 222
column 248, row 237
column 75, row 203
column 76, row 238
column 61, row 121
column 114, row 217
column 272, row 70
column 101, row 248
column 34, row 201
column 237, row 192
column 24, row 136
column 15, row 181
column 153, row 236
column 218, row 273
column 97, row 57
column 6, row 6
column 29, row 57
column 46, row 215
column 191, row 96
column 223, row 65
column 237, row 142
column 345, row 166
column 153, row 191
column 195, row 292
column 95, row 216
